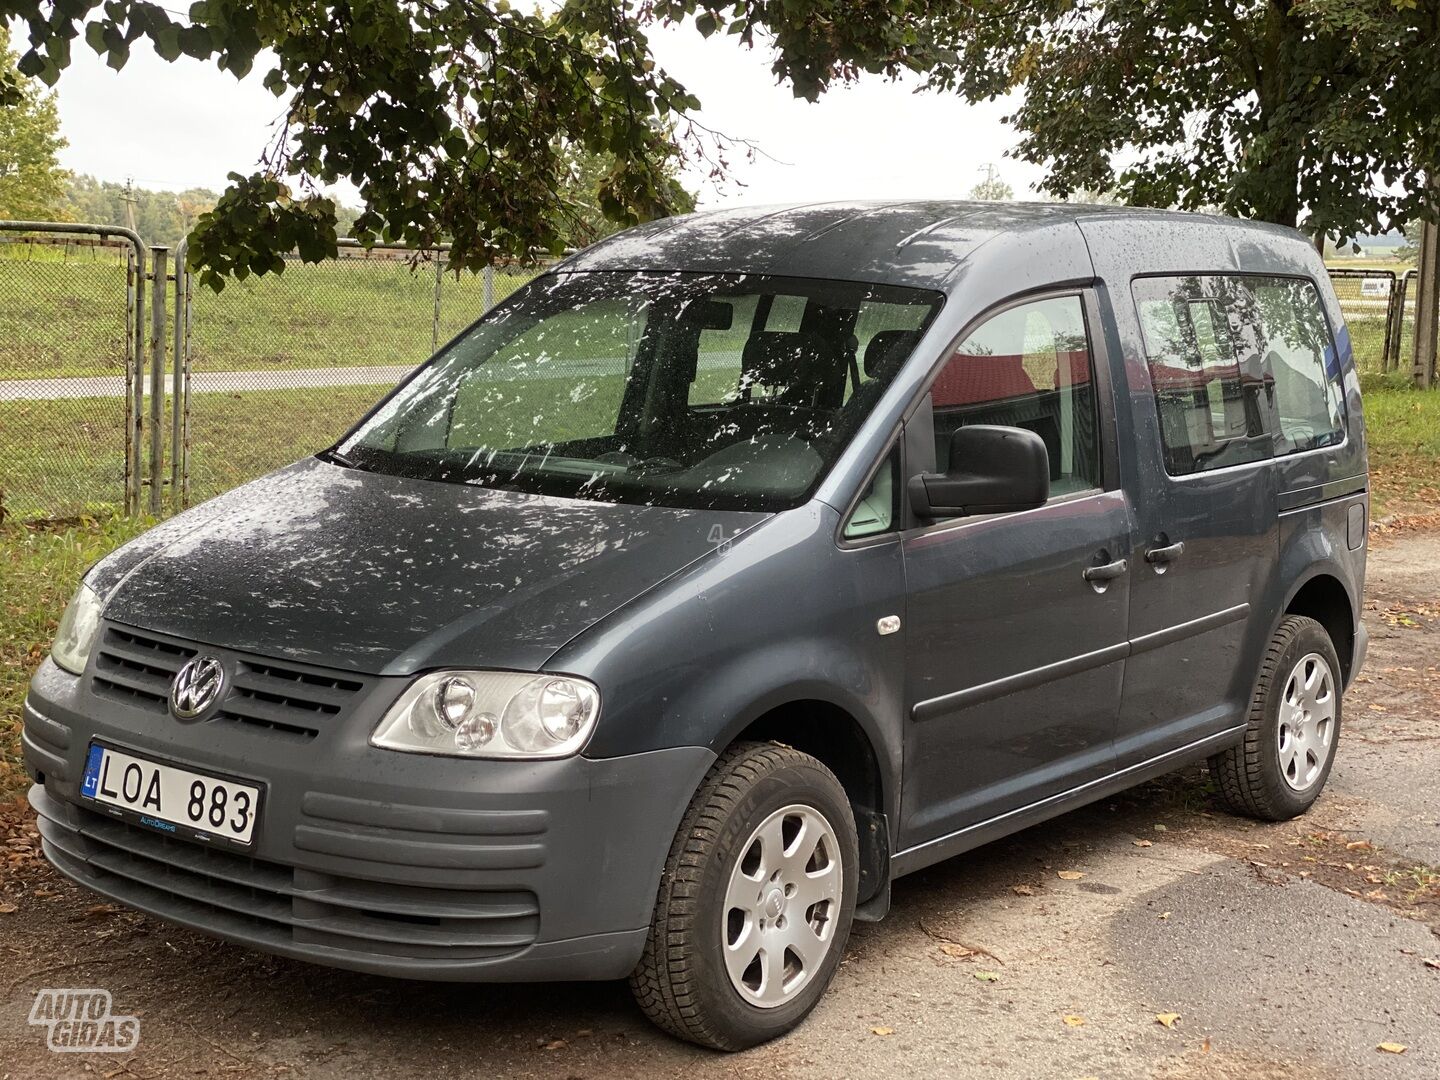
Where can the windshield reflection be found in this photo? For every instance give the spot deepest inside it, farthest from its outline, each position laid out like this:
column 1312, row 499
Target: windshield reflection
column 706, row 390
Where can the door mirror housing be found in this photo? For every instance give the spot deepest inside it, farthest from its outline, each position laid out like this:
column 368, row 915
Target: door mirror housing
column 992, row 470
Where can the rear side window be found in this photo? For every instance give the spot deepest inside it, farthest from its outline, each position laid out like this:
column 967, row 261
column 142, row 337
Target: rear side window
column 1301, row 358
column 1243, row 368
column 1028, row 366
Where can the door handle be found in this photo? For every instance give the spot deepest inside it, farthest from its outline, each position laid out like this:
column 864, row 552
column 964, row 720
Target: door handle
column 1107, row 572
column 1166, row 554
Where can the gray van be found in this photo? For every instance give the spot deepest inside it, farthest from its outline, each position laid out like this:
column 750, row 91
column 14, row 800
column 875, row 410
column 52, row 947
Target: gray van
column 732, row 569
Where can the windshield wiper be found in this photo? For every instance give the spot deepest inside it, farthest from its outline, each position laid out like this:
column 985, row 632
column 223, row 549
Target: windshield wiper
column 335, row 457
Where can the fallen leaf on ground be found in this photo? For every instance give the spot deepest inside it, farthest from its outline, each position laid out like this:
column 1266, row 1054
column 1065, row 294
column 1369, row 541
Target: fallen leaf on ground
column 1392, row 1048
column 1161, row 828
column 1144, row 843
column 882, row 1031
column 1163, row 915
column 987, row 976
column 556, row 1044
column 1074, row 1021
column 1022, row 890
column 958, row 951
column 1166, row 1019
column 7, row 909
column 1069, row 875
column 1358, row 845
column 1432, row 963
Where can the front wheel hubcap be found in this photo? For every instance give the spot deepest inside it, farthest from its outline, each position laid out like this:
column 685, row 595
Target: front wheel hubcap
column 1307, row 721
column 781, row 906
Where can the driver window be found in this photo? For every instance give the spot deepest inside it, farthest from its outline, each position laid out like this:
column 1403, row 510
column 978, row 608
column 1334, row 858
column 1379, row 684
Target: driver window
column 1030, row 367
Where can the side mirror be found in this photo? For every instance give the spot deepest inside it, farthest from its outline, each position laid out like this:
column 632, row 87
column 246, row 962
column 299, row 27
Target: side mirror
column 992, row 470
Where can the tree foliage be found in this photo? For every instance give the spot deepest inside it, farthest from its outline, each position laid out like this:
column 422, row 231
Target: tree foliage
column 32, row 183
column 161, row 217
column 456, row 119
column 1283, row 110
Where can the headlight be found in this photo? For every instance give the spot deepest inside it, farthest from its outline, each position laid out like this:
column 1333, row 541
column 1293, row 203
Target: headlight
column 491, row 714
column 77, row 630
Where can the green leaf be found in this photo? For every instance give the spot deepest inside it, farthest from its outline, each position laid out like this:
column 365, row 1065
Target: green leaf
column 195, row 41
column 167, row 43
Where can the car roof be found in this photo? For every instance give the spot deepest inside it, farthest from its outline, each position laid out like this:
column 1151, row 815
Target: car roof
column 921, row 243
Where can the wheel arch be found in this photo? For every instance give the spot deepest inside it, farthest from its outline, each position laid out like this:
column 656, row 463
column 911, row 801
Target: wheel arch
column 838, row 738
column 1323, row 597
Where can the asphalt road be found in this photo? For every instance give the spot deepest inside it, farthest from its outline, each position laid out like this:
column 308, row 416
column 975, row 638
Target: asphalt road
column 232, row 382
column 205, row 382
column 1288, row 951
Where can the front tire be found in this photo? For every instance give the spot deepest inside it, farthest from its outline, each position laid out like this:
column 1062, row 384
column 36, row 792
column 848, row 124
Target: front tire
column 755, row 902
column 1277, row 772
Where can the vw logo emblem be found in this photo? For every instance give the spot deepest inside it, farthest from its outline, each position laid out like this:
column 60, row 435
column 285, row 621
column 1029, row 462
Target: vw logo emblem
column 196, row 687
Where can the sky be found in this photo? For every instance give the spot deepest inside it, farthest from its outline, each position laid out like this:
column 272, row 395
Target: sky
column 187, row 124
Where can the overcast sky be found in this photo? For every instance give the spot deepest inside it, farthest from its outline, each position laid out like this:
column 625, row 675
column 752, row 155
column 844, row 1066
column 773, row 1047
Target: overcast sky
column 187, row 124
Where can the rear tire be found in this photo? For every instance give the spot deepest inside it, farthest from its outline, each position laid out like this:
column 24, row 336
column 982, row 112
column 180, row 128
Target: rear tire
column 755, row 902
column 1279, row 769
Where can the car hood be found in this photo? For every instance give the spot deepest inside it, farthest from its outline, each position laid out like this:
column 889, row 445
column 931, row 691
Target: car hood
column 382, row 574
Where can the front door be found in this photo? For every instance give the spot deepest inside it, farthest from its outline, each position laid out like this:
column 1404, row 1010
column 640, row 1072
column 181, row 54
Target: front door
column 1015, row 655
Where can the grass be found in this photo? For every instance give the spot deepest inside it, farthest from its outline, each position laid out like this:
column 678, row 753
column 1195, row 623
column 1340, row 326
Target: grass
column 62, row 313
column 1403, row 431
column 56, row 449
column 39, row 569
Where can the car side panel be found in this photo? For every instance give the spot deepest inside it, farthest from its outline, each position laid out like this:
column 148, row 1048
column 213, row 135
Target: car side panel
column 781, row 614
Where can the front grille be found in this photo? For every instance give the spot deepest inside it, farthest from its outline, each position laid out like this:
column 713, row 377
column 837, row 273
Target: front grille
column 269, row 903
column 285, row 700
column 138, row 667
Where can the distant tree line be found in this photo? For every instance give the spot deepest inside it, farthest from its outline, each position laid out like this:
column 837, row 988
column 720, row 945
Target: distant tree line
column 160, row 217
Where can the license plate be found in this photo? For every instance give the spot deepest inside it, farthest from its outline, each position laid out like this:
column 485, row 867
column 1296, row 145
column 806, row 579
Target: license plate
column 169, row 798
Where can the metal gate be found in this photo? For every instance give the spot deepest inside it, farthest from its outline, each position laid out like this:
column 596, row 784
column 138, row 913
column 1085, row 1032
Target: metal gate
column 1369, row 301
column 1403, row 345
column 71, row 317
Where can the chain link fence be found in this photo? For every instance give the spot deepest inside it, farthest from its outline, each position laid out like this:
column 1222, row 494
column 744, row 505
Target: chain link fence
column 70, row 306
column 1367, row 301
column 281, row 365
column 1380, row 309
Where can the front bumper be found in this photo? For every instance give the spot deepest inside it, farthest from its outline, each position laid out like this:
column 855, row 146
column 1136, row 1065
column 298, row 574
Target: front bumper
column 390, row 863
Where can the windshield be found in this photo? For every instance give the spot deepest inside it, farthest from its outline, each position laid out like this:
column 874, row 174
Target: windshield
column 704, row 390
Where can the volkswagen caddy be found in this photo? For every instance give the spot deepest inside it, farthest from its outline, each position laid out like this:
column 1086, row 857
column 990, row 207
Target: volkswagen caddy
column 728, row 571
